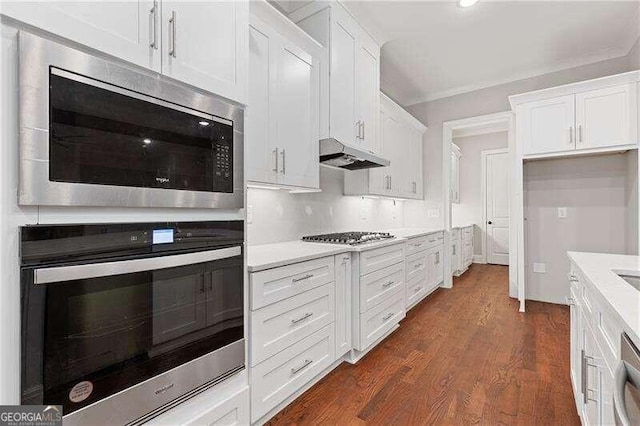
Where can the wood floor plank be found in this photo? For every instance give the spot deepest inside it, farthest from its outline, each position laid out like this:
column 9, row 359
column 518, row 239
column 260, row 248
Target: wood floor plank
column 462, row 356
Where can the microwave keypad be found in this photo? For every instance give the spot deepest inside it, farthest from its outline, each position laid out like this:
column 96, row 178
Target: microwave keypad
column 223, row 169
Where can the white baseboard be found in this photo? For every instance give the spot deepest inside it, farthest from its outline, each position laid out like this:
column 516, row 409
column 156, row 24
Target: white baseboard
column 478, row 258
column 355, row 355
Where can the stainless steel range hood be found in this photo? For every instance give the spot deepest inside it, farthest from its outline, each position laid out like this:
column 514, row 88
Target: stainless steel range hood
column 336, row 154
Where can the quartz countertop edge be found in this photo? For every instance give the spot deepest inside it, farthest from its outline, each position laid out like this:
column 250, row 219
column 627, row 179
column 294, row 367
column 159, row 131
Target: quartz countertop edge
column 269, row 256
column 598, row 269
column 462, row 225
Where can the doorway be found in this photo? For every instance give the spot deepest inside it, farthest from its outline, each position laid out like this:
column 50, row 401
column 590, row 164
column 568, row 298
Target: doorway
column 503, row 238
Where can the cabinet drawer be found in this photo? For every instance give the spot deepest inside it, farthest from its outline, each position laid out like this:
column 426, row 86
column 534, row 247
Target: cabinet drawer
column 415, row 245
column 380, row 319
column 233, row 411
column 608, row 334
column 380, row 285
column 416, row 290
column 417, row 266
column 467, row 255
column 273, row 380
column 434, row 239
column 282, row 324
column 467, row 232
column 373, row 260
column 277, row 284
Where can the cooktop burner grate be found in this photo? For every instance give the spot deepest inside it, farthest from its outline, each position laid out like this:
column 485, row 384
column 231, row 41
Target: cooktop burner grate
column 351, row 238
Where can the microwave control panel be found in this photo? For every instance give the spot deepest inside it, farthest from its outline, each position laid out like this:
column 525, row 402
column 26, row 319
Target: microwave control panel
column 223, row 164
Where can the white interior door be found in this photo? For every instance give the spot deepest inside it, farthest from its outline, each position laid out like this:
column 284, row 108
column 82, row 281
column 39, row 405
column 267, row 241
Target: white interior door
column 496, row 166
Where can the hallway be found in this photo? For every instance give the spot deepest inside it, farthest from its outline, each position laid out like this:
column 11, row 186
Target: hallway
column 462, row 356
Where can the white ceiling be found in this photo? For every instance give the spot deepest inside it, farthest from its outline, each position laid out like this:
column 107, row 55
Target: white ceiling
column 436, row 49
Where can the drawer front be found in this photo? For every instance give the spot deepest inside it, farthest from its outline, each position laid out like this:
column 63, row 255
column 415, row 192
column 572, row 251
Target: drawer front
column 276, row 284
column 416, row 290
column 284, row 323
column 417, row 266
column 233, row 411
column 380, row 285
column 608, row 334
column 586, row 301
column 273, row 380
column 415, row 245
column 434, row 239
column 377, row 321
column 374, row 260
column 467, row 255
column 467, row 232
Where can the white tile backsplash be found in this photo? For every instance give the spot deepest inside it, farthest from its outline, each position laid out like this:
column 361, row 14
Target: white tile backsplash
column 280, row 216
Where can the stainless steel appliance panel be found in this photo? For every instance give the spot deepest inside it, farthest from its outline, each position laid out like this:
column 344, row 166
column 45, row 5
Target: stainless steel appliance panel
column 36, row 58
column 626, row 391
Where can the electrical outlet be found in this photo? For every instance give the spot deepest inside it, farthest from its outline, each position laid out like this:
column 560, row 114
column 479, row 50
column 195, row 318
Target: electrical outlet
column 540, row 268
column 562, row 212
column 433, row 213
column 249, row 214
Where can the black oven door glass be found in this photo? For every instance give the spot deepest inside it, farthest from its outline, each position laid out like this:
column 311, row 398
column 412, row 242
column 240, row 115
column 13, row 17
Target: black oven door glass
column 110, row 333
column 111, row 136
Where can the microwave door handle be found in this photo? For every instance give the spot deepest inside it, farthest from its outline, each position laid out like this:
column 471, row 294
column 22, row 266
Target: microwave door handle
column 106, row 269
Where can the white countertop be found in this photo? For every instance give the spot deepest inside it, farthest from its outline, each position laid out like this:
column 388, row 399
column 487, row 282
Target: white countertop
column 412, row 232
column 598, row 269
column 461, row 225
column 267, row 256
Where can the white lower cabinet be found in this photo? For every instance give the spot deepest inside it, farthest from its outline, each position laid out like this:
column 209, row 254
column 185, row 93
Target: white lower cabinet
column 343, row 303
column 233, row 411
column 461, row 249
column 594, row 355
column 378, row 320
column 275, row 379
column 424, row 268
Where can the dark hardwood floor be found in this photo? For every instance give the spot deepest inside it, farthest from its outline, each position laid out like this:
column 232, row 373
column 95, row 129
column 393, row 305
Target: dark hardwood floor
column 462, row 356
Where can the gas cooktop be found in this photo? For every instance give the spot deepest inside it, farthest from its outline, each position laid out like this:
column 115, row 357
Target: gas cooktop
column 351, row 238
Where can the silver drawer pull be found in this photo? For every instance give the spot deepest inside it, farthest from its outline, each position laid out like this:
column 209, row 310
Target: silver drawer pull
column 417, row 289
column 307, row 362
column 387, row 317
column 419, row 265
column 302, row 318
column 418, row 245
column 387, row 284
column 306, row 277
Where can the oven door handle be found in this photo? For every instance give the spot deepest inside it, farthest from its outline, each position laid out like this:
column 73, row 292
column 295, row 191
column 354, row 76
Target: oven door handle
column 105, row 269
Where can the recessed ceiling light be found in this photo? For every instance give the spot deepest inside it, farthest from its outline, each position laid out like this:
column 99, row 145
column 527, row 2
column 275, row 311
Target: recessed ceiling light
column 147, row 141
column 203, row 123
column 467, row 3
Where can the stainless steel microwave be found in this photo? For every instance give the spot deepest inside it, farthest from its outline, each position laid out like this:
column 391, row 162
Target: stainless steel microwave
column 95, row 132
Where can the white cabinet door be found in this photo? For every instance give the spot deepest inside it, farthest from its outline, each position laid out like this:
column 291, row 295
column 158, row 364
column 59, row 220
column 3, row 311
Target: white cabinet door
column 123, row 29
column 206, row 45
column 343, row 304
column 606, row 117
column 260, row 154
column 439, row 265
column 415, row 155
column 576, row 348
column 548, row 125
column 380, row 177
column 592, row 386
column 344, row 49
column 297, row 116
column 368, row 95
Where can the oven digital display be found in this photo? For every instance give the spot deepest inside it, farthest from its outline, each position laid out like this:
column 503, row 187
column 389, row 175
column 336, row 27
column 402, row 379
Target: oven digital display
column 162, row 236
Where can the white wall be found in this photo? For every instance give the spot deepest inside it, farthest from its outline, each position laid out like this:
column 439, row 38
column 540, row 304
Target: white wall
column 280, row 216
column 469, row 210
column 594, row 191
column 487, row 101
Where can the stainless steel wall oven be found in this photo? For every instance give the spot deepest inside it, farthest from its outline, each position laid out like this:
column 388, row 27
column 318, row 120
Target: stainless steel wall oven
column 95, row 132
column 119, row 321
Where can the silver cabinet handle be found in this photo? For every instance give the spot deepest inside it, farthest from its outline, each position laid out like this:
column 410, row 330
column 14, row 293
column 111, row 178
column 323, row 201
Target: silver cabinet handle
column 418, row 265
column 345, row 259
column 359, row 127
column 364, row 128
column 153, row 12
column 580, row 133
column 570, row 135
column 106, row 269
column 454, row 250
column 418, row 245
column 387, row 284
column 387, row 317
column 172, row 34
column 284, row 171
column 585, row 376
column 437, row 258
column 415, row 187
column 275, row 153
column 302, row 318
column 417, row 289
column 306, row 277
column 307, row 362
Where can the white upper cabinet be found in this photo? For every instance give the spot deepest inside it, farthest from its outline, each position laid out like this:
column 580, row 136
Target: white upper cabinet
column 400, row 143
column 126, row 29
column 203, row 44
column 342, row 110
column 206, row 45
column 455, row 173
column 548, row 125
column 350, row 84
column 592, row 116
column 606, row 117
column 282, row 118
